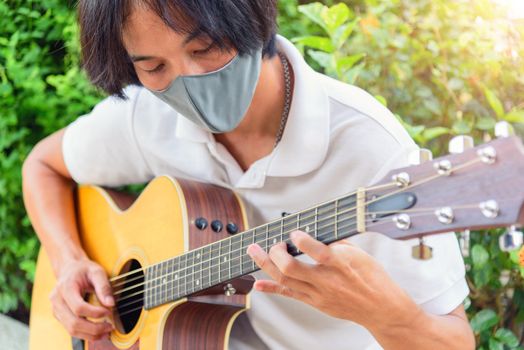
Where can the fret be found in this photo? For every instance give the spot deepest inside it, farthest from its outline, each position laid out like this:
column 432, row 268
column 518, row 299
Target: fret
column 224, row 261
column 336, row 218
column 346, row 218
column 316, row 223
column 289, row 224
column 306, row 221
column 155, row 284
column 247, row 238
column 197, row 268
column 183, row 273
column 236, row 256
column 176, row 277
column 206, row 263
column 215, row 263
column 147, row 290
column 169, row 278
column 190, row 269
column 325, row 222
column 260, row 236
column 274, row 235
column 165, row 280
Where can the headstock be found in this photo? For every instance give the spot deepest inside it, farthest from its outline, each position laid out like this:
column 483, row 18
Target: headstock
column 472, row 188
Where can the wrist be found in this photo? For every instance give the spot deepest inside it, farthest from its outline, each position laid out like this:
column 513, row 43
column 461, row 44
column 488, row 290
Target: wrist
column 403, row 317
column 67, row 258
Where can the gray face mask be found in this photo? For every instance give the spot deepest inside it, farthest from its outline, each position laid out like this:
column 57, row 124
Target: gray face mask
column 216, row 101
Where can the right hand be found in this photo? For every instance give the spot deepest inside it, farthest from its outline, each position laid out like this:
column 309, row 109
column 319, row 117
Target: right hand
column 75, row 279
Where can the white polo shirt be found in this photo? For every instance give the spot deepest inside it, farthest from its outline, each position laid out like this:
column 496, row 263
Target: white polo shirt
column 337, row 138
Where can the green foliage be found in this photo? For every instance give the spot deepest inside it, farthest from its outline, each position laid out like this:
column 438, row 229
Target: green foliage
column 41, row 90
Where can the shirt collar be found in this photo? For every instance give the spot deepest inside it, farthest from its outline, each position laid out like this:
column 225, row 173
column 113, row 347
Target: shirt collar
column 304, row 143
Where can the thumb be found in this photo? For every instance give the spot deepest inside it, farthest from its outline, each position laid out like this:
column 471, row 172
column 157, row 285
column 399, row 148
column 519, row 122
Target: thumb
column 103, row 291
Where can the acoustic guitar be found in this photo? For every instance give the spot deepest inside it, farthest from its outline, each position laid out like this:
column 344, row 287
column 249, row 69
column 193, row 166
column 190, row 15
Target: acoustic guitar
column 176, row 256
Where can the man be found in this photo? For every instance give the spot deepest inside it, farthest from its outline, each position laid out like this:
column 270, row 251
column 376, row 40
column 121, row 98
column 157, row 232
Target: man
column 213, row 95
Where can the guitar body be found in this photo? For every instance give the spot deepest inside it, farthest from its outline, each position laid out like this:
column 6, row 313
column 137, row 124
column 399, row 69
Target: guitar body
column 160, row 224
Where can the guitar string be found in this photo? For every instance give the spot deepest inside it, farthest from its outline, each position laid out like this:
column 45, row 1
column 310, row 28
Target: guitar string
column 402, row 189
column 269, row 231
column 473, row 206
column 189, row 276
column 371, row 188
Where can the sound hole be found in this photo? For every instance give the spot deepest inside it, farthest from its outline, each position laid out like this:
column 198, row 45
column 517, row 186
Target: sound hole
column 129, row 295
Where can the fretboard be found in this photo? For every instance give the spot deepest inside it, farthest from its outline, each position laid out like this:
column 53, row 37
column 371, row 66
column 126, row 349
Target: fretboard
column 227, row 259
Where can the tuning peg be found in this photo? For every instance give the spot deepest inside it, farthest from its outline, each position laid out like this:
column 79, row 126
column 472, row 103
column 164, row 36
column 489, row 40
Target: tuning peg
column 460, row 143
column 464, row 242
column 504, row 129
column 420, row 156
column 421, row 251
column 510, row 240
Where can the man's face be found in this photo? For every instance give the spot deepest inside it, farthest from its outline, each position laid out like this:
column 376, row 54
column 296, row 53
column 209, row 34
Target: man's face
column 160, row 54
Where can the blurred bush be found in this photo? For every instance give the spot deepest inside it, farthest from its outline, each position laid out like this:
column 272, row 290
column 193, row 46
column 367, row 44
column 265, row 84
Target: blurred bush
column 444, row 67
column 41, row 90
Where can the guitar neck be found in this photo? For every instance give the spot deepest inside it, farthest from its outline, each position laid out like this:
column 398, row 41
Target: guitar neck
column 227, row 259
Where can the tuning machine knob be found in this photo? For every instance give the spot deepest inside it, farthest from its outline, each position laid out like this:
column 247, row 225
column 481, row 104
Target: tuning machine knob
column 460, row 143
column 420, row 156
column 510, row 240
column 422, row 251
column 504, row 129
column 464, row 242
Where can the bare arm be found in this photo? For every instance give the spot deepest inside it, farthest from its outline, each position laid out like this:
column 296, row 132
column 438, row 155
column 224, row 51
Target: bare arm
column 48, row 196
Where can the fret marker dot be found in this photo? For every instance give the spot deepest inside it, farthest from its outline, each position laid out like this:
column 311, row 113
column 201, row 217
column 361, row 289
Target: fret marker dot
column 275, row 241
column 176, row 276
column 225, row 259
column 164, row 280
column 198, row 256
column 197, row 282
column 307, row 229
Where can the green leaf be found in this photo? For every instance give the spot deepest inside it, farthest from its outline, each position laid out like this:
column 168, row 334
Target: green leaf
column 314, row 12
column 515, row 116
column 479, row 255
column 467, row 303
column 325, row 60
column 316, row 42
column 483, row 320
column 335, row 16
column 507, row 337
column 485, row 124
column 382, row 100
column 494, row 102
column 348, row 62
column 461, row 127
column 432, row 133
column 343, row 32
column 495, row 344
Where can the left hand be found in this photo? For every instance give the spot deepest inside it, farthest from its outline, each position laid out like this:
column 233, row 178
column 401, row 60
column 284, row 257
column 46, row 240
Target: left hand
column 346, row 282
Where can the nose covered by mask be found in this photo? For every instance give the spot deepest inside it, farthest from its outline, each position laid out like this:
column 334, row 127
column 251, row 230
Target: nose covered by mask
column 216, row 101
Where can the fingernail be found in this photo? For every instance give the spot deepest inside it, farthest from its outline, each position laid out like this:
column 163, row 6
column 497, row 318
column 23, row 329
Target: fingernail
column 109, row 301
column 252, row 250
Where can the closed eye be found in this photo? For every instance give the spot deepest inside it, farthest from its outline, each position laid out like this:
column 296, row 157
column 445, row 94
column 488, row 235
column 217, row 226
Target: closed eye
column 155, row 70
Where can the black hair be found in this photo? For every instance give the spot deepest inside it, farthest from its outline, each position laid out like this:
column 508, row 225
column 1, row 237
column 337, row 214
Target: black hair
column 244, row 25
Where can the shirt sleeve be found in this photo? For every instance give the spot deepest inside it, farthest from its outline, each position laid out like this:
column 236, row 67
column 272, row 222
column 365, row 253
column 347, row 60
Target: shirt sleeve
column 100, row 148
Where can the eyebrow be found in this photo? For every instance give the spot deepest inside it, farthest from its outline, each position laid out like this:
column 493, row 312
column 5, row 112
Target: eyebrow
column 190, row 37
column 141, row 58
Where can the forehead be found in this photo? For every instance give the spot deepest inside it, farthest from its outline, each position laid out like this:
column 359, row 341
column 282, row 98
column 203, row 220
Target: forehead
column 145, row 32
